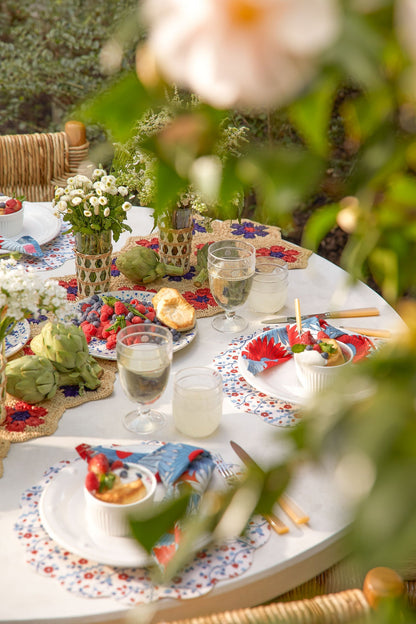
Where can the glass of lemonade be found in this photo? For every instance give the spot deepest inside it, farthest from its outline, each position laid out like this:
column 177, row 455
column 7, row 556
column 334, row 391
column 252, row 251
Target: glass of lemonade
column 144, row 356
column 231, row 266
column 197, row 401
column 268, row 292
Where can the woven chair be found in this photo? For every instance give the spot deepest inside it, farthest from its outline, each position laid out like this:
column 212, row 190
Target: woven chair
column 343, row 606
column 31, row 165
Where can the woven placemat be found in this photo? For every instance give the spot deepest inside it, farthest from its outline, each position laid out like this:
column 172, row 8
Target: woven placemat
column 25, row 421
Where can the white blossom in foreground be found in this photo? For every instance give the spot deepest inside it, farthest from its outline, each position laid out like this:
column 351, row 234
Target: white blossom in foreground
column 231, row 53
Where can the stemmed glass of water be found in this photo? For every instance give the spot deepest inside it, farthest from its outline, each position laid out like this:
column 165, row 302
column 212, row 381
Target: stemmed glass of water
column 144, row 356
column 231, row 266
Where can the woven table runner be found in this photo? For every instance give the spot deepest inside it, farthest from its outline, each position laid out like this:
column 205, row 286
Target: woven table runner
column 266, row 239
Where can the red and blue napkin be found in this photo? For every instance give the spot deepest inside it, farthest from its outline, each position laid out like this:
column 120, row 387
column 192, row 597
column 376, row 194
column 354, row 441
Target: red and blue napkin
column 273, row 347
column 24, row 245
column 172, row 464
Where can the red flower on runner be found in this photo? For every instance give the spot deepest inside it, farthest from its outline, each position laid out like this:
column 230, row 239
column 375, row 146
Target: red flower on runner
column 71, row 288
column 201, row 299
column 153, row 243
column 22, row 415
column 279, row 251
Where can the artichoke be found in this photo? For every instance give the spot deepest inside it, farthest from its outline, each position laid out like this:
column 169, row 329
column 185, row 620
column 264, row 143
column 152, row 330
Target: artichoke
column 64, row 345
column 201, row 265
column 141, row 264
column 31, row 378
column 88, row 376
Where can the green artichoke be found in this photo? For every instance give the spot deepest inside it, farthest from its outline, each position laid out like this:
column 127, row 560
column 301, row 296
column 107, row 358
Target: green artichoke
column 201, row 265
column 88, row 376
column 141, row 264
column 64, row 345
column 31, row 378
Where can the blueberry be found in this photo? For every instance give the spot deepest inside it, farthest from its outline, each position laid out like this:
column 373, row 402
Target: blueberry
column 95, row 297
column 139, row 475
column 124, row 474
column 308, row 348
column 325, row 355
column 96, row 324
column 147, row 321
column 129, row 316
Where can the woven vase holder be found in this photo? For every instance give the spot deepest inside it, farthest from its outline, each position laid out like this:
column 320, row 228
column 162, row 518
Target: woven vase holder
column 2, row 382
column 175, row 247
column 93, row 273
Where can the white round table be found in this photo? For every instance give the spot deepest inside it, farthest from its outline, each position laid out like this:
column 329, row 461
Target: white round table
column 283, row 563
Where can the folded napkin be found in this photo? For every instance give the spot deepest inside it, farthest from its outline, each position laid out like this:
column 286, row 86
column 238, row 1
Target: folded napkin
column 273, row 347
column 25, row 245
column 172, row 464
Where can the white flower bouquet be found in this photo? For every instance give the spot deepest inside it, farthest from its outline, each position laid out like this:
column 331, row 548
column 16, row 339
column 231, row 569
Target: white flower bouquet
column 24, row 293
column 94, row 206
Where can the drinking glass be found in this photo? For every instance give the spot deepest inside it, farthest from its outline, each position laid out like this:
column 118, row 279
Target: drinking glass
column 144, row 356
column 231, row 265
column 197, row 401
column 268, row 292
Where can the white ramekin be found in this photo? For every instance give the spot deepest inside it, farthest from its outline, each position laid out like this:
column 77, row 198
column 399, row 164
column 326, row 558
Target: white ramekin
column 11, row 224
column 315, row 378
column 112, row 519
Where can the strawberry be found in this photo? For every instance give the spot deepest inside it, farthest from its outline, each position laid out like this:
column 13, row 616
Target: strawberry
column 92, row 482
column 98, row 464
column 8, row 210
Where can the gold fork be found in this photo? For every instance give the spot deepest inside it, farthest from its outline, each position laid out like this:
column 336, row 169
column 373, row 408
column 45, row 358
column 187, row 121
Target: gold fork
column 229, row 475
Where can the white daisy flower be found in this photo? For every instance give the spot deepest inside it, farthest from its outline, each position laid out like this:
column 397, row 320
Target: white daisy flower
column 123, row 190
column 107, row 212
column 126, row 206
column 76, row 201
column 103, row 201
column 87, row 213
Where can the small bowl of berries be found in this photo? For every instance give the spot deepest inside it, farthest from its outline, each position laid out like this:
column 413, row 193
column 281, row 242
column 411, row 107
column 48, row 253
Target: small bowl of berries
column 318, row 365
column 115, row 492
column 11, row 216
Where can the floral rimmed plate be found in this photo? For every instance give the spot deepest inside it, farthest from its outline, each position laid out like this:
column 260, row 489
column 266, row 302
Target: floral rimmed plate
column 18, row 338
column 264, row 364
column 97, row 346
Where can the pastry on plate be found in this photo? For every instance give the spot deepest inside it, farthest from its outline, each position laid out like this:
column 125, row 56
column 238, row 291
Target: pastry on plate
column 173, row 310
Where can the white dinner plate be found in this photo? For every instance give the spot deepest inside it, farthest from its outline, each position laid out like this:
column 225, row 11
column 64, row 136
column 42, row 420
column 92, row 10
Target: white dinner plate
column 18, row 338
column 97, row 346
column 279, row 381
column 40, row 223
column 62, row 512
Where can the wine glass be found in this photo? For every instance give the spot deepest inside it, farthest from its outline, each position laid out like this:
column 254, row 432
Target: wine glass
column 231, row 266
column 144, row 356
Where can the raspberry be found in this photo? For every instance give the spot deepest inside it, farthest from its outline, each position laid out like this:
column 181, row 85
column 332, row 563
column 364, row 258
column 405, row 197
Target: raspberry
column 106, row 309
column 8, row 210
column 91, row 482
column 116, row 464
column 120, row 308
column 141, row 308
column 98, row 464
column 136, row 320
column 13, row 204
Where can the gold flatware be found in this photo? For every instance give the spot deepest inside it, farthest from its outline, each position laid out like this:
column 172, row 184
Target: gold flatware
column 372, row 333
column 229, row 475
column 355, row 313
column 293, row 510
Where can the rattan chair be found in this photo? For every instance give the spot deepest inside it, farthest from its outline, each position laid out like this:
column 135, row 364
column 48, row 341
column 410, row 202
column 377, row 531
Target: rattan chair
column 31, row 165
column 343, row 606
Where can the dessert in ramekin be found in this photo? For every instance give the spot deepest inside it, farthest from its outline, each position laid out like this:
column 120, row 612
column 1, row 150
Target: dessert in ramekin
column 11, row 216
column 318, row 369
column 132, row 494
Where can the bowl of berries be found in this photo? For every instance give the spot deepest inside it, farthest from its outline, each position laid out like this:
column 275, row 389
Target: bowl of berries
column 11, row 216
column 115, row 492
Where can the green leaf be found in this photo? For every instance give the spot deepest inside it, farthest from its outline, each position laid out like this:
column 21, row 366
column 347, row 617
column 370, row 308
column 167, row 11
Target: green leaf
column 298, row 348
column 311, row 114
column 318, row 225
column 118, row 107
column 147, row 531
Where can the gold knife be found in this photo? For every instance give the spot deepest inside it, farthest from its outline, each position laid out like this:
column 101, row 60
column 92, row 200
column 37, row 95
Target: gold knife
column 355, row 313
column 293, row 510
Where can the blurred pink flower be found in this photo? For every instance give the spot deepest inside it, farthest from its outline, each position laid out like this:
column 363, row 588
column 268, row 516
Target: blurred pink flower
column 231, row 53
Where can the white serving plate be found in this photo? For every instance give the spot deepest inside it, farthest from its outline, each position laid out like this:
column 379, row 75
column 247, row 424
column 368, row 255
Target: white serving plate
column 62, row 512
column 38, row 222
column 18, row 338
column 97, row 347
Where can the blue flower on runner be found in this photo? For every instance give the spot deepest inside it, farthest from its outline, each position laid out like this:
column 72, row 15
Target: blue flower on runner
column 38, row 319
column 114, row 270
column 72, row 391
column 186, row 276
column 198, row 227
column 248, row 229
